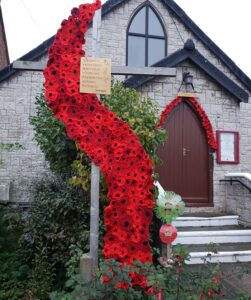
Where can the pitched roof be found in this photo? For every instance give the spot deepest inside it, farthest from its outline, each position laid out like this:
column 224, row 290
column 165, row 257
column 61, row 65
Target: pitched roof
column 190, row 53
column 33, row 55
column 4, row 54
column 173, row 8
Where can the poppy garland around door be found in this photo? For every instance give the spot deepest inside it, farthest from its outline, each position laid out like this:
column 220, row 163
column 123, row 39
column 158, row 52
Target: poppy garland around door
column 201, row 113
column 108, row 141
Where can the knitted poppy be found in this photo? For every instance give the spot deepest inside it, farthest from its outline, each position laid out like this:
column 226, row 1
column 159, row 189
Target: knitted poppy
column 201, row 113
column 108, row 141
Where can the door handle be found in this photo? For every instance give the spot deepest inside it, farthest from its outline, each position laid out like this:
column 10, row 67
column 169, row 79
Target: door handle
column 185, row 151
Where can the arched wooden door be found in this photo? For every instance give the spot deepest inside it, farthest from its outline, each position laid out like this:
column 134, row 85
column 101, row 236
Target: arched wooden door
column 186, row 157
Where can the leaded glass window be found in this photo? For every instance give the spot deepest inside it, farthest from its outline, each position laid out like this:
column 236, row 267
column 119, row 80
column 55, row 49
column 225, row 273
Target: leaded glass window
column 146, row 38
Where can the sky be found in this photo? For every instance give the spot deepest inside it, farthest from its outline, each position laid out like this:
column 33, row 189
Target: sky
column 227, row 22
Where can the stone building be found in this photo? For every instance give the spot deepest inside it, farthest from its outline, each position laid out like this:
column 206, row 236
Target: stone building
column 143, row 33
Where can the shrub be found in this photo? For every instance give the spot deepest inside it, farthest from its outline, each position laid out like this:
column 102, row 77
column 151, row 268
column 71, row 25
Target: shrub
column 173, row 278
column 141, row 113
column 13, row 273
column 58, row 218
column 59, row 150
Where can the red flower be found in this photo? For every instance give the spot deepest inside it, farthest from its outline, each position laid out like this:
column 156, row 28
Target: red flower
column 138, row 280
column 123, row 285
column 108, row 141
column 216, row 280
column 105, row 279
column 210, row 293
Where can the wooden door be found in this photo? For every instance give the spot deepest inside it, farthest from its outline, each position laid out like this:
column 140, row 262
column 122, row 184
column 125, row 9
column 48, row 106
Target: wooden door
column 185, row 155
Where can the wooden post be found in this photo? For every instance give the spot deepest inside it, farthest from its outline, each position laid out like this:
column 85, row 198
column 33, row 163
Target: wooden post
column 95, row 172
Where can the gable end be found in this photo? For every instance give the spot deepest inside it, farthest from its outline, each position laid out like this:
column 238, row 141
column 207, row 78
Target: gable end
column 189, row 52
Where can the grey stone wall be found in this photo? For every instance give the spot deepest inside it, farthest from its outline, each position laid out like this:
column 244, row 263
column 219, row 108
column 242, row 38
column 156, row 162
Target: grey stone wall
column 17, row 99
column 239, row 201
column 19, row 167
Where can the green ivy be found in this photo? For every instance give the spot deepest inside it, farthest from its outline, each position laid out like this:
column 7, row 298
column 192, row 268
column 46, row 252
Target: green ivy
column 9, row 147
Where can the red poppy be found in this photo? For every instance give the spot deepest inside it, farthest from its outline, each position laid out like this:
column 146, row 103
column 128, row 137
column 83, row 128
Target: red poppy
column 168, row 233
column 202, row 114
column 108, row 141
column 123, row 285
column 138, row 280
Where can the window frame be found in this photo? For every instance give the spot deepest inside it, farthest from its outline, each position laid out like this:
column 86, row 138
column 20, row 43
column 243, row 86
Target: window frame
column 146, row 36
column 236, row 149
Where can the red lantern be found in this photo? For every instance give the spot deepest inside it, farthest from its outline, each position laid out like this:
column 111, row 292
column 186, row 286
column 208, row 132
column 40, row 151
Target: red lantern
column 168, row 233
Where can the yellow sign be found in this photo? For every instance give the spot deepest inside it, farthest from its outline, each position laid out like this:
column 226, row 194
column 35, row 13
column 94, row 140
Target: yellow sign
column 95, row 75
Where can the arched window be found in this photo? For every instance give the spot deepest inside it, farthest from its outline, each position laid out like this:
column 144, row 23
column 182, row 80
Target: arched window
column 146, row 38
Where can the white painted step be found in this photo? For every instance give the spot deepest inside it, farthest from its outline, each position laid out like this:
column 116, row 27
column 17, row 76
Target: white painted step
column 222, row 257
column 205, row 221
column 207, row 237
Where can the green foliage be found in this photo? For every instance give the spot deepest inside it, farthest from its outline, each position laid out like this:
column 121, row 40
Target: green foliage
column 72, row 265
column 34, row 254
column 9, row 147
column 42, row 274
column 81, row 169
column 58, row 218
column 13, row 274
column 141, row 113
column 175, row 279
column 59, row 150
column 96, row 289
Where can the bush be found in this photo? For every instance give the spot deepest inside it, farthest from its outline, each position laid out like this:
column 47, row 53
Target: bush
column 141, row 113
column 173, row 278
column 34, row 251
column 13, row 273
column 50, row 134
column 58, row 218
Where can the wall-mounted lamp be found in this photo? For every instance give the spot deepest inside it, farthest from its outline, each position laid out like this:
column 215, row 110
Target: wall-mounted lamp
column 187, row 79
column 187, row 83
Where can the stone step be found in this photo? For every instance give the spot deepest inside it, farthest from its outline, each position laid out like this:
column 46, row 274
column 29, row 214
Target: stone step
column 198, row 221
column 212, row 228
column 213, row 236
column 200, row 232
column 219, row 247
column 221, row 256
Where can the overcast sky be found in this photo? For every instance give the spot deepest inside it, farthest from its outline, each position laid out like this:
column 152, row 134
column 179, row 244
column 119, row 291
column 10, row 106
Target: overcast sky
column 226, row 22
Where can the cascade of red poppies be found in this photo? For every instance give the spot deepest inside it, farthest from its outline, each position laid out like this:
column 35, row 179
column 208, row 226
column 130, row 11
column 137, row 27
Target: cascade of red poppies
column 201, row 113
column 108, row 141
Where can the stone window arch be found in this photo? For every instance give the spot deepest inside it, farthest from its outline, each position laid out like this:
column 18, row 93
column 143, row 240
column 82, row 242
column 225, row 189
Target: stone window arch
column 146, row 38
